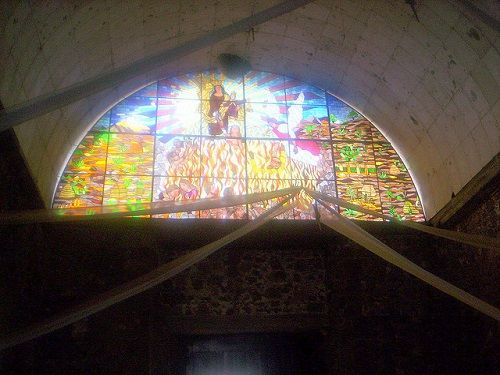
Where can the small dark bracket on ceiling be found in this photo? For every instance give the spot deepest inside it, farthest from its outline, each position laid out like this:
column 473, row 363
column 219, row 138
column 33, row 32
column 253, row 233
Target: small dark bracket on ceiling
column 413, row 5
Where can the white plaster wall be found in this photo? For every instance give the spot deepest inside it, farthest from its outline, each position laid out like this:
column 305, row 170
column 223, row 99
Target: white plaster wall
column 432, row 88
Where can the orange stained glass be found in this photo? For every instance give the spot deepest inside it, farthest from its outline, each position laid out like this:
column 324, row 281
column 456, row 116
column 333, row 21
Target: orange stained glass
column 205, row 135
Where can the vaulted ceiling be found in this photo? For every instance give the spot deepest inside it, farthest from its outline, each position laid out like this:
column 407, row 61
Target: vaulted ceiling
column 431, row 86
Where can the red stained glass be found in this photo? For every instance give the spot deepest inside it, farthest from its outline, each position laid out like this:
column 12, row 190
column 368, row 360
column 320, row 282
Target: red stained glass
column 210, row 136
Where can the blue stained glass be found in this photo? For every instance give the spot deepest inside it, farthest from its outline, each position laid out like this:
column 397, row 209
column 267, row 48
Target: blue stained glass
column 134, row 115
column 340, row 113
column 207, row 136
column 300, row 93
column 148, row 91
column 186, row 86
column 103, row 122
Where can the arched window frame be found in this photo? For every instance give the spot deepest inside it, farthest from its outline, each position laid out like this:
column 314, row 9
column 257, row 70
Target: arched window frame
column 270, row 112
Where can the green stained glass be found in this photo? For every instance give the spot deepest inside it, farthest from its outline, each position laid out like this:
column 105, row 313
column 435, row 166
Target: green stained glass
column 130, row 154
column 90, row 155
column 127, row 189
column 362, row 191
column 79, row 190
column 206, row 135
column 356, row 131
column 354, row 159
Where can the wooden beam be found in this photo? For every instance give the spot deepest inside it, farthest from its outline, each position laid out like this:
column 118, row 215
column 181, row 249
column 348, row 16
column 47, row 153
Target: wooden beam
column 480, row 12
column 355, row 233
column 476, row 240
column 59, row 215
column 60, row 98
column 486, row 175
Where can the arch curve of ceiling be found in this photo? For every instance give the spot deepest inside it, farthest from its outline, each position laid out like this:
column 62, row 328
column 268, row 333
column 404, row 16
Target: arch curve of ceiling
column 204, row 135
column 429, row 86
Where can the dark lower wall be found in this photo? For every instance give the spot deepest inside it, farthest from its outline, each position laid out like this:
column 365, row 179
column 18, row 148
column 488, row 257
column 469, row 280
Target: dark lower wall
column 396, row 324
column 17, row 188
column 288, row 277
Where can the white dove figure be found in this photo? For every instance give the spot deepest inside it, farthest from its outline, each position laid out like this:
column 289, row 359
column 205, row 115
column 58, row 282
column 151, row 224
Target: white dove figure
column 304, row 151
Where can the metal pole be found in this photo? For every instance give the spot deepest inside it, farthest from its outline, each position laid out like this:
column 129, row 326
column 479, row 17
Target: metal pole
column 47, row 103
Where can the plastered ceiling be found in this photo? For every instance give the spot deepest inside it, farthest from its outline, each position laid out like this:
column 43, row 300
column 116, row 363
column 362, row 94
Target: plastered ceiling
column 432, row 87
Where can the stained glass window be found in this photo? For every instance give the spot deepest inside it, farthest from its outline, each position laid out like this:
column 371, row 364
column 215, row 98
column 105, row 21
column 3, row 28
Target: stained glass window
column 205, row 135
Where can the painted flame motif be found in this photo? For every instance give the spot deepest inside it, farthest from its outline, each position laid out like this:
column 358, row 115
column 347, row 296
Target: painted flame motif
column 200, row 152
column 178, row 157
column 223, row 158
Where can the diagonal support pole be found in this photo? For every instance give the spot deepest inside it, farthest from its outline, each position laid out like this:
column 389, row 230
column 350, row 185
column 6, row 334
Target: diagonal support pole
column 466, row 238
column 142, row 283
column 149, row 208
column 360, row 236
column 60, row 98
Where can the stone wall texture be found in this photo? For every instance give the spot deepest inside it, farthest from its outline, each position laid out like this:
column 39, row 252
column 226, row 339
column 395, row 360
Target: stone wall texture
column 371, row 317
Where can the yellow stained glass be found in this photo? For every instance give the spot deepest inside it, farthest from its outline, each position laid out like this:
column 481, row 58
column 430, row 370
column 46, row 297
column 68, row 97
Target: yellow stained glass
column 205, row 135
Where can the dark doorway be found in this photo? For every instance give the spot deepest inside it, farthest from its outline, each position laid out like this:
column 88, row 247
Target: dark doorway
column 256, row 354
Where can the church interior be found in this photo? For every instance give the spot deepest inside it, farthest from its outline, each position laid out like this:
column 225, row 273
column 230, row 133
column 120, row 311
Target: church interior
column 145, row 146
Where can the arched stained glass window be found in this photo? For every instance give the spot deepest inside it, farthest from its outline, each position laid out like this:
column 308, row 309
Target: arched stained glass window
column 205, row 135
